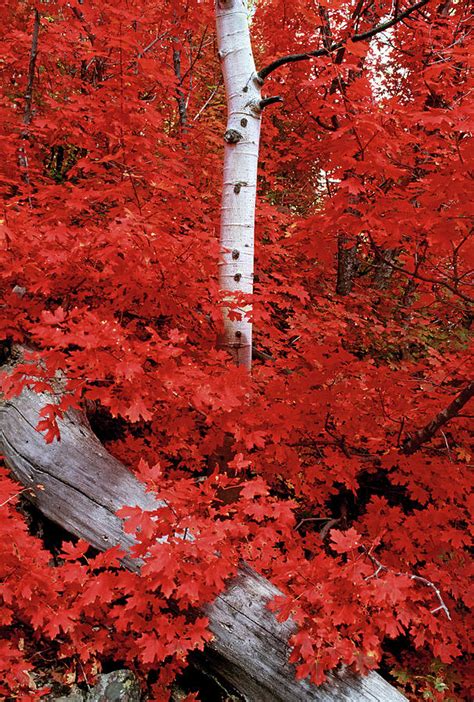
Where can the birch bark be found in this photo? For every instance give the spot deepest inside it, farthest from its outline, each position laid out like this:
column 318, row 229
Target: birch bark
column 242, row 136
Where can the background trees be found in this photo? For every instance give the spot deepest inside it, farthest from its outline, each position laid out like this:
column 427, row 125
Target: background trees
column 112, row 137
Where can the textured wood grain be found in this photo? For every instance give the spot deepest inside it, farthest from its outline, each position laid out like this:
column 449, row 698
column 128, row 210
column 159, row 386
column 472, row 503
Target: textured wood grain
column 82, row 488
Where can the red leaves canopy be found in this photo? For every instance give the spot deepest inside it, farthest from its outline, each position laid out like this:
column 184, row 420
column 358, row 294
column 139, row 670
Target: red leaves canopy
column 109, row 259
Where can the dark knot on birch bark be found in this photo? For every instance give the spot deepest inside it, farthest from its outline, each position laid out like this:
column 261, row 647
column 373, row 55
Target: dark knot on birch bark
column 232, row 136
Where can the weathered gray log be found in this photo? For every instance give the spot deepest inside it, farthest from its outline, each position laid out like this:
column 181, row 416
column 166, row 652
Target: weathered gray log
column 82, row 488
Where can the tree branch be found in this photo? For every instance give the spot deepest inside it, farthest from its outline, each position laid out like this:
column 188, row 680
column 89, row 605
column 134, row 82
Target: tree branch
column 425, row 434
column 80, row 16
column 363, row 36
column 269, row 101
column 381, row 567
column 419, row 276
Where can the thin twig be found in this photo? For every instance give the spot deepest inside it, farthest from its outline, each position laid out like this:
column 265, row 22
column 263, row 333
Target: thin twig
column 17, row 494
column 192, row 61
column 199, row 113
column 447, row 446
column 311, row 519
column 151, row 44
column 379, row 567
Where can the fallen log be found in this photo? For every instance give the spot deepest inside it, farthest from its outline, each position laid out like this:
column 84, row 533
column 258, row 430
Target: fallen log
column 84, row 486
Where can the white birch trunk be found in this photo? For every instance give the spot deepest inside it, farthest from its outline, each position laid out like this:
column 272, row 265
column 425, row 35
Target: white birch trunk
column 241, row 138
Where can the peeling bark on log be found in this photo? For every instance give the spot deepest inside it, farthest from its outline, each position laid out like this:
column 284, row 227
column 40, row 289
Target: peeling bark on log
column 83, row 488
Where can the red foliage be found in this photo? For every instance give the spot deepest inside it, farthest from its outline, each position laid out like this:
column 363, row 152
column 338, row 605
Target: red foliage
column 109, row 260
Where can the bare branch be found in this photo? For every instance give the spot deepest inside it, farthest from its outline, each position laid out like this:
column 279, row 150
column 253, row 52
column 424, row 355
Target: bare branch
column 196, row 57
column 363, row 36
column 379, row 567
column 151, row 44
column 17, row 494
column 209, row 99
column 269, row 101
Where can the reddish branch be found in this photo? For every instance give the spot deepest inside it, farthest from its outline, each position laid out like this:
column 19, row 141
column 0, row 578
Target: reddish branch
column 363, row 36
column 425, row 434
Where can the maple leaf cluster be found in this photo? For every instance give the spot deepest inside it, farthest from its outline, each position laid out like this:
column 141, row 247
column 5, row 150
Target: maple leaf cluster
column 361, row 314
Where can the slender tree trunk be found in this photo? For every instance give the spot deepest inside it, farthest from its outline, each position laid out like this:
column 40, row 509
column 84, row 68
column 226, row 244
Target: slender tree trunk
column 241, row 139
column 347, row 265
column 180, row 96
column 28, row 111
